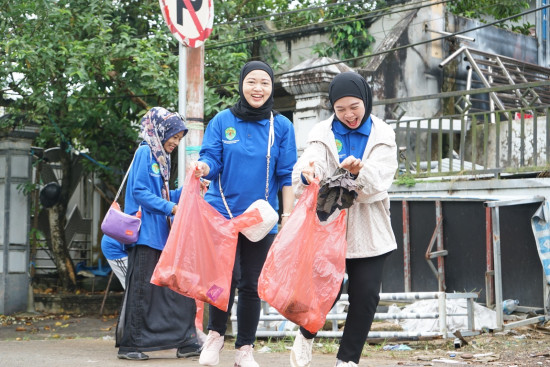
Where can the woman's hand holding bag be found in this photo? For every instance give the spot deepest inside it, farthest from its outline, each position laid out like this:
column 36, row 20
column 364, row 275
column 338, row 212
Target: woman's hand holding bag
column 305, row 266
column 198, row 258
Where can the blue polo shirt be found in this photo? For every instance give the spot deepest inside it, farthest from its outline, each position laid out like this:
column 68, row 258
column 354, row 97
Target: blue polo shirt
column 112, row 249
column 144, row 189
column 351, row 142
column 237, row 150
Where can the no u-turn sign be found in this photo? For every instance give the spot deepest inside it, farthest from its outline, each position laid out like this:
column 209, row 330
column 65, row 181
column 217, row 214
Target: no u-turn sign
column 190, row 21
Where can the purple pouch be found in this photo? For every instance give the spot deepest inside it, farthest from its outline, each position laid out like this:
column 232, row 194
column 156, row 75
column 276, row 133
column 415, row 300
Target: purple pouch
column 121, row 226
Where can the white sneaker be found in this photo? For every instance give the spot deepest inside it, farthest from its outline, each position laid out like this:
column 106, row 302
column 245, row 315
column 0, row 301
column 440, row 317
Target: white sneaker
column 201, row 337
column 339, row 363
column 300, row 354
column 210, row 354
column 244, row 358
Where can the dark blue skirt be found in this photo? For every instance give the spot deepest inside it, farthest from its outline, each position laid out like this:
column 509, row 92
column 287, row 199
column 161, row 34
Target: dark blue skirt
column 152, row 317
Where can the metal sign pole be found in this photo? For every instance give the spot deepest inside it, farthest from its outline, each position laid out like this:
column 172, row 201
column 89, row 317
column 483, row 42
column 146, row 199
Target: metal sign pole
column 182, row 108
column 195, row 102
column 191, row 24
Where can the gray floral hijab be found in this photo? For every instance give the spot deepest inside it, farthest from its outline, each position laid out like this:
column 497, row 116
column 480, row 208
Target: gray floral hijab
column 157, row 126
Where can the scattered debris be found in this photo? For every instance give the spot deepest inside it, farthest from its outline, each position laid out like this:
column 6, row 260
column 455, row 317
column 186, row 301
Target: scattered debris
column 396, row 347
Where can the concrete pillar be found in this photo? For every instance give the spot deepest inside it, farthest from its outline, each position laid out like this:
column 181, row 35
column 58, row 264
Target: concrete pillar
column 308, row 82
column 15, row 171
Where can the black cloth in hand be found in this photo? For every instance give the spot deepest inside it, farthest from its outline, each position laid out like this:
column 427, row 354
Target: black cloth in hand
column 338, row 191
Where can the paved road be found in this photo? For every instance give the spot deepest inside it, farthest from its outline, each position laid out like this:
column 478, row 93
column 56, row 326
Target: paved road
column 101, row 352
column 42, row 340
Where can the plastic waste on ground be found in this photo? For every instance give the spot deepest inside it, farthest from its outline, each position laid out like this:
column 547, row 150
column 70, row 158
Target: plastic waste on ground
column 396, row 347
column 509, row 306
column 483, row 316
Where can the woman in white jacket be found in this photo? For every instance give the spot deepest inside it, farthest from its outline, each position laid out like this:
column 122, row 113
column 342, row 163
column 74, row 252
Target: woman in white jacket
column 365, row 146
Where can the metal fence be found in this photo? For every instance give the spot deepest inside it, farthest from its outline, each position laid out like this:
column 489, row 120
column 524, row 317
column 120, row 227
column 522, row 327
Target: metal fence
column 476, row 141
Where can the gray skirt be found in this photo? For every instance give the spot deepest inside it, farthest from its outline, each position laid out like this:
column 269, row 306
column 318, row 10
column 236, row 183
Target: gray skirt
column 152, row 317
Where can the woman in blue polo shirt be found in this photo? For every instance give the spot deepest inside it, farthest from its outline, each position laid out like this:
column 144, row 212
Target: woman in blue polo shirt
column 233, row 157
column 153, row 317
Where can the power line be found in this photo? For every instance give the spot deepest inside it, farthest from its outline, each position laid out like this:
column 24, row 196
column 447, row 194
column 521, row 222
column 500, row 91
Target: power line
column 404, row 46
column 326, row 24
column 308, row 47
column 290, row 12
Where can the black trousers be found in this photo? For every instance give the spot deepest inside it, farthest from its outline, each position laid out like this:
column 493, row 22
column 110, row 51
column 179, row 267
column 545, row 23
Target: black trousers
column 364, row 280
column 249, row 261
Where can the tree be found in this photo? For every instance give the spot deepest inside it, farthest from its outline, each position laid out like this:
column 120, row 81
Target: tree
column 239, row 31
column 497, row 9
column 84, row 71
column 348, row 30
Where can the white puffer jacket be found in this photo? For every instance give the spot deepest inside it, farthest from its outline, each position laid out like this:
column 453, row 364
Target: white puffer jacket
column 369, row 231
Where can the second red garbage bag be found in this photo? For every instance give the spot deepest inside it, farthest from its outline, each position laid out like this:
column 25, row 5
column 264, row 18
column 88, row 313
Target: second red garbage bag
column 305, row 266
column 198, row 258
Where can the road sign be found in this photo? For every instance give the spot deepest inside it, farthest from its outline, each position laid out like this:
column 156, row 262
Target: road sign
column 190, row 21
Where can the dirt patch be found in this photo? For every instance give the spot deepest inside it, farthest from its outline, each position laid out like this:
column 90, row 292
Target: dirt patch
column 39, row 326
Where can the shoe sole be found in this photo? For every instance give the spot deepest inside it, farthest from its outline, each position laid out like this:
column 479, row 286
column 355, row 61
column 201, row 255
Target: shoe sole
column 294, row 362
column 209, row 364
column 212, row 364
column 121, row 356
column 188, row 355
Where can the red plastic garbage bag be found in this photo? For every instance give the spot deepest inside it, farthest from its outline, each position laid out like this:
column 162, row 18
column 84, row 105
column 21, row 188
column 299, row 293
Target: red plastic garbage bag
column 305, row 266
column 198, row 258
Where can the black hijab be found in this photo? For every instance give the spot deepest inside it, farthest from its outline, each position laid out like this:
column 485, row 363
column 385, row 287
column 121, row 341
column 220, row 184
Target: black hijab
column 351, row 84
column 245, row 111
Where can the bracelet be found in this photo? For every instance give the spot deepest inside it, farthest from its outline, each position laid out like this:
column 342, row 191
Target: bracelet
column 285, row 215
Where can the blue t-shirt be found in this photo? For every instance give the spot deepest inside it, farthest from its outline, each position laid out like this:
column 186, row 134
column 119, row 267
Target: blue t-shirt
column 144, row 189
column 112, row 249
column 237, row 149
column 351, row 142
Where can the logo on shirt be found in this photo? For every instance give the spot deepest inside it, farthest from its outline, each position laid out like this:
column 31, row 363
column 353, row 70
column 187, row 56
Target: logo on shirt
column 155, row 167
column 338, row 145
column 230, row 133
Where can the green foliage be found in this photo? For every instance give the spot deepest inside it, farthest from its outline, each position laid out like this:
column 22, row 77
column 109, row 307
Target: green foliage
column 497, row 9
column 222, row 66
column 348, row 30
column 239, row 32
column 86, row 71
column 75, row 68
column 405, row 180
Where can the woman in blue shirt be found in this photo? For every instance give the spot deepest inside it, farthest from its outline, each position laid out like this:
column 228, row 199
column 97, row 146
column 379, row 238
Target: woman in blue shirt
column 233, row 157
column 153, row 317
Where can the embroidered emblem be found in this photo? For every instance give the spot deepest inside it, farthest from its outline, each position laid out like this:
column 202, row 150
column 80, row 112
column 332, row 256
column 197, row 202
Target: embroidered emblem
column 155, row 167
column 338, row 145
column 230, row 133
